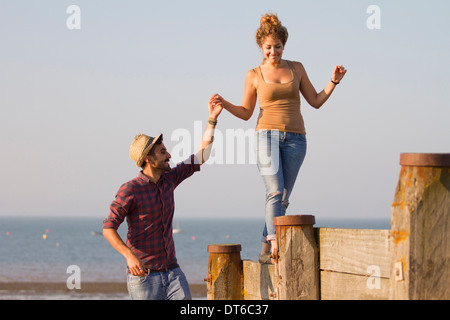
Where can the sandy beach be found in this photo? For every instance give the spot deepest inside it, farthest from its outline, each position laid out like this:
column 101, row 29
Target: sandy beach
column 89, row 290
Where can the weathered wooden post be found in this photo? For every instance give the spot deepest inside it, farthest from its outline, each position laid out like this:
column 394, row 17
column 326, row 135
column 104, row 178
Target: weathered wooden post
column 297, row 268
column 420, row 225
column 224, row 280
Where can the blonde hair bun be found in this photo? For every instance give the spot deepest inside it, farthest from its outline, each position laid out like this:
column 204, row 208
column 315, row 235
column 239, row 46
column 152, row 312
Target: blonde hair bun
column 270, row 20
column 270, row 25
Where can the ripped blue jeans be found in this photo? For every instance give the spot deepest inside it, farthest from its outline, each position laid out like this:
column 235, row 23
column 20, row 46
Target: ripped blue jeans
column 279, row 156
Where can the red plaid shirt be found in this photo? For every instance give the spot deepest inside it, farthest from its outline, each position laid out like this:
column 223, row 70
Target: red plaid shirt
column 149, row 208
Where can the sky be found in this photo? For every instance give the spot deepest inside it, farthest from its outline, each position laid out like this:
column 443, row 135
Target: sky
column 77, row 86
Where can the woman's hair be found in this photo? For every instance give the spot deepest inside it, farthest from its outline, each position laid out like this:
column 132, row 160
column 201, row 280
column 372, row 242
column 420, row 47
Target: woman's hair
column 271, row 26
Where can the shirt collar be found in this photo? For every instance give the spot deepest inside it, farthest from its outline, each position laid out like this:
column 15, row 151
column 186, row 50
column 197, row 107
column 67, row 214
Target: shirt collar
column 142, row 176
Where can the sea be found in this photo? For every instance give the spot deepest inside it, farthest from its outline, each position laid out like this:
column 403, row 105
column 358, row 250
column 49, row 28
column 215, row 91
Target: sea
column 50, row 249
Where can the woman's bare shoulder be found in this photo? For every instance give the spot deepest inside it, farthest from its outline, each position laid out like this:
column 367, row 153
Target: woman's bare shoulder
column 297, row 64
column 251, row 76
column 299, row 68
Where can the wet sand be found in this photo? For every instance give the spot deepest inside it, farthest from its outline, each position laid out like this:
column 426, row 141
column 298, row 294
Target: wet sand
column 97, row 290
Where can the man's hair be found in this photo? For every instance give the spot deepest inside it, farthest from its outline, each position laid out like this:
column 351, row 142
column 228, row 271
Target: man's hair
column 151, row 152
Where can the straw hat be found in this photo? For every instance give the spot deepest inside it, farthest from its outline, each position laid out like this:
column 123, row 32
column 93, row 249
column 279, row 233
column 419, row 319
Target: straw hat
column 141, row 146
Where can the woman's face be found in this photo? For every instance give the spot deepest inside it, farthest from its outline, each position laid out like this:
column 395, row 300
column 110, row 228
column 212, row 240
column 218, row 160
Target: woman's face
column 272, row 49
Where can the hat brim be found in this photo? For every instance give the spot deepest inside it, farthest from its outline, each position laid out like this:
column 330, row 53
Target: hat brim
column 147, row 150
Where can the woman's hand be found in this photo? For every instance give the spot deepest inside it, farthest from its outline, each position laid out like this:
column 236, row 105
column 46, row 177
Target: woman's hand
column 338, row 73
column 216, row 99
column 215, row 106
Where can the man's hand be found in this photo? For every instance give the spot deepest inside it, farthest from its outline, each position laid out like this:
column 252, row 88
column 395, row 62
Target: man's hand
column 135, row 265
column 214, row 107
column 204, row 151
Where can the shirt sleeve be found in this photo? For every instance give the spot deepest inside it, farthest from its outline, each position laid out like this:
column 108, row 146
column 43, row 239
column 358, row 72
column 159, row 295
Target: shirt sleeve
column 119, row 208
column 184, row 170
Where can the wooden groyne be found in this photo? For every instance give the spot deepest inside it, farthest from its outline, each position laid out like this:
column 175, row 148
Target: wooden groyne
column 409, row 261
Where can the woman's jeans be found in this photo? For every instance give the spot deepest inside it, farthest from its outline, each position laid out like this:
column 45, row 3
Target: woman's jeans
column 160, row 285
column 279, row 156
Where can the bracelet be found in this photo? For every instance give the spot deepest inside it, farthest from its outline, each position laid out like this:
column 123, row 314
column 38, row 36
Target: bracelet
column 212, row 121
column 335, row 81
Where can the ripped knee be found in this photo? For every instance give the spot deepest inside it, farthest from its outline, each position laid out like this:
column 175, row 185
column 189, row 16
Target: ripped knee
column 274, row 196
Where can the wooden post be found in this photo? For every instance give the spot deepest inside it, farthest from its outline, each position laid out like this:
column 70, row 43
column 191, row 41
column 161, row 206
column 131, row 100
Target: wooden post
column 420, row 224
column 297, row 269
column 224, row 281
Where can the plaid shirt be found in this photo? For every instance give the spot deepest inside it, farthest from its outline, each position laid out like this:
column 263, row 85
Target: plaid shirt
column 149, row 208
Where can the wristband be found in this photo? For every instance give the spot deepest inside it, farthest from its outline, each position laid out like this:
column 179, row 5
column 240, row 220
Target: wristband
column 334, row 81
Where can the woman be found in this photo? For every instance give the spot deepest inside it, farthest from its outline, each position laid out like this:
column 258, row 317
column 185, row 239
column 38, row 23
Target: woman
column 280, row 131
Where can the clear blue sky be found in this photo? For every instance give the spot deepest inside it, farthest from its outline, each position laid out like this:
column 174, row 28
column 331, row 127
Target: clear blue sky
column 73, row 100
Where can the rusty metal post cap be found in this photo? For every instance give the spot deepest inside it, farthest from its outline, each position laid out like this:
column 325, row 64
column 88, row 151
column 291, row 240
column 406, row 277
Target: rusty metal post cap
column 425, row 159
column 224, row 248
column 296, row 220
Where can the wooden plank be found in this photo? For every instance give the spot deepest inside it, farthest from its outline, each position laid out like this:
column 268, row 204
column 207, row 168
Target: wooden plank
column 258, row 280
column 354, row 251
column 342, row 286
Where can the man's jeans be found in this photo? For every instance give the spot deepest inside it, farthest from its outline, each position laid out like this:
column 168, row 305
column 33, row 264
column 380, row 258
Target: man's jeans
column 279, row 157
column 163, row 285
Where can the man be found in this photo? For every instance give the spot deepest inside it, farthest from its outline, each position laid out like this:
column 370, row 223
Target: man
column 147, row 203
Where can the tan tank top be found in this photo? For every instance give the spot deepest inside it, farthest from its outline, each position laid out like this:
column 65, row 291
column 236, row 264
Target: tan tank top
column 279, row 104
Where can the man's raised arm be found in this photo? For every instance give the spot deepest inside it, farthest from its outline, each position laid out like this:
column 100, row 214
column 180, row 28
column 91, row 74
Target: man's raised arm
column 204, row 151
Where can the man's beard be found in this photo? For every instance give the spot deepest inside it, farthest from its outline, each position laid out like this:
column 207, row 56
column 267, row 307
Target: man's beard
column 164, row 166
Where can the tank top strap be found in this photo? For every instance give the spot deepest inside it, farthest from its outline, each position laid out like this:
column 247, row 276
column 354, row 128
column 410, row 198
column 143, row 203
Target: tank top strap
column 291, row 66
column 259, row 76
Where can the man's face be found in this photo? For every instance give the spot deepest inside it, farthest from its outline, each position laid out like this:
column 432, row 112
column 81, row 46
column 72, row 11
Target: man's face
column 161, row 158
